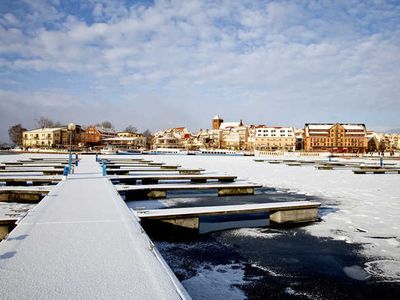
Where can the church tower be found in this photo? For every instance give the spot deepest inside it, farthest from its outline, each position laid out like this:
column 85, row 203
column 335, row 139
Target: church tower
column 216, row 122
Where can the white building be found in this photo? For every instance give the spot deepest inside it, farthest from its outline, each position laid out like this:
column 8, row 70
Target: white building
column 275, row 138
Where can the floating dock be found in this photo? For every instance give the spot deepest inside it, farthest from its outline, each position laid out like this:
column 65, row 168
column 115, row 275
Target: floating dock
column 281, row 212
column 25, row 180
column 153, row 170
column 24, row 194
column 82, row 242
column 154, row 179
column 376, row 171
column 157, row 191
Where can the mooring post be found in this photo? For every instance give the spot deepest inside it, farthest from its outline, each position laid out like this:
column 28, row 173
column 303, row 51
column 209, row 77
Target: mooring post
column 76, row 159
column 381, row 161
column 104, row 166
column 97, row 157
column 66, row 172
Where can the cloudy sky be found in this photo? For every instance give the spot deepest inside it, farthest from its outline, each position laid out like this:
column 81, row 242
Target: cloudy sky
column 174, row 63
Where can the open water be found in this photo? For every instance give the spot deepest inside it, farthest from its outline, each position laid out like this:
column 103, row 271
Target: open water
column 269, row 262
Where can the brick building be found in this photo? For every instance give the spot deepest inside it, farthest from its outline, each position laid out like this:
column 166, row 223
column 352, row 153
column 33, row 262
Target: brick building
column 339, row 137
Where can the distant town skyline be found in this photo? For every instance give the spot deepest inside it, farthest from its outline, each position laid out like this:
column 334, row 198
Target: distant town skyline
column 160, row 64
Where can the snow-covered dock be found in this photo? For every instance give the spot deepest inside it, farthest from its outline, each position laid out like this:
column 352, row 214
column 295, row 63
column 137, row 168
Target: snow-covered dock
column 281, row 212
column 35, row 180
column 376, row 171
column 154, row 179
column 155, row 191
column 125, row 166
column 81, row 241
column 153, row 170
column 7, row 167
column 44, row 171
column 24, row 193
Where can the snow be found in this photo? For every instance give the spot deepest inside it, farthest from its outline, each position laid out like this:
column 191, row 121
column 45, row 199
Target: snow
column 81, row 241
column 361, row 209
column 188, row 211
column 216, row 282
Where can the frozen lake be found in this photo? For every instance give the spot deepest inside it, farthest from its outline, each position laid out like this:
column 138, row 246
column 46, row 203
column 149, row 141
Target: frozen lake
column 354, row 252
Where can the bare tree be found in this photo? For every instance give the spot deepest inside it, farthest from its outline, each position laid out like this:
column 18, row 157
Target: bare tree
column 147, row 133
column 131, row 129
column 106, row 124
column 44, row 122
column 15, row 134
column 149, row 137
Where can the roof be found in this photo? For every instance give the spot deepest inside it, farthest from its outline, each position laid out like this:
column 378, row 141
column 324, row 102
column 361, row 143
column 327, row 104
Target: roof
column 45, row 129
column 229, row 124
column 354, row 126
column 124, row 138
column 327, row 126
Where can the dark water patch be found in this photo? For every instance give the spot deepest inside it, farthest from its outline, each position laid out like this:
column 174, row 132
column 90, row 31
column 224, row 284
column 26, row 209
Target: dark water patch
column 280, row 264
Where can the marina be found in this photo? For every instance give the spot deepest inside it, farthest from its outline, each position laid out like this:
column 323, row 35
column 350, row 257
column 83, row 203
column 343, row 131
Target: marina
column 199, row 217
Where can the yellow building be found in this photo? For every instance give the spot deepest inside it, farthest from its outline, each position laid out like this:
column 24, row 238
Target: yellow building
column 348, row 138
column 43, row 137
column 127, row 141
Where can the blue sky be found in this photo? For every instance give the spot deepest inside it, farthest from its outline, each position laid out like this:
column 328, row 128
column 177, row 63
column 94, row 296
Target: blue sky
column 178, row 63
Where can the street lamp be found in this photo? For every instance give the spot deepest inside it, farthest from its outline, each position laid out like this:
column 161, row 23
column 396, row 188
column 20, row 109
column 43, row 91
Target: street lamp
column 71, row 129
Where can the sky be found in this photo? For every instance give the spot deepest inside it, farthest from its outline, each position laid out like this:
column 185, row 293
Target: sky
column 161, row 64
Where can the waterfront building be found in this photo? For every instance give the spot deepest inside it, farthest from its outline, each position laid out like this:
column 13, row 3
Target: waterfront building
column 275, row 139
column 299, row 134
column 127, row 141
column 42, row 138
column 391, row 142
column 229, row 135
column 58, row 137
column 95, row 135
column 178, row 137
column 339, row 137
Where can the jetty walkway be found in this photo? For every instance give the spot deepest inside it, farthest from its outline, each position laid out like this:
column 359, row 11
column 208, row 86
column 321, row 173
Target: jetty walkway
column 82, row 242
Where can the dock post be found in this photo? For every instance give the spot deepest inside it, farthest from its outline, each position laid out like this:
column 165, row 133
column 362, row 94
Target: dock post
column 76, row 159
column 104, row 166
column 97, row 157
column 381, row 161
column 66, row 172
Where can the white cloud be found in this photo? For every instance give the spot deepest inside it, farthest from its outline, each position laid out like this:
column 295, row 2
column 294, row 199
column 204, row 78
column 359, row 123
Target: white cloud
column 304, row 55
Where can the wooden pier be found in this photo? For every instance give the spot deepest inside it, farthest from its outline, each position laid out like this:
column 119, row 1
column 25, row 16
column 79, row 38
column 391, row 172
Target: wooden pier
column 158, row 191
column 154, row 179
column 82, row 242
column 281, row 212
column 24, row 194
column 376, row 171
column 153, row 170
column 134, row 166
column 48, row 171
column 25, row 180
